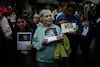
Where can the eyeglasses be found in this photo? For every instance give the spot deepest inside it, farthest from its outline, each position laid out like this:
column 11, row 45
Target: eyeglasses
column 20, row 21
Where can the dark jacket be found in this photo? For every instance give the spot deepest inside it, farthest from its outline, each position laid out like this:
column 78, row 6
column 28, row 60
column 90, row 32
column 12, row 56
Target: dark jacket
column 97, row 32
column 18, row 57
column 91, row 31
column 5, row 33
column 15, row 31
column 88, row 38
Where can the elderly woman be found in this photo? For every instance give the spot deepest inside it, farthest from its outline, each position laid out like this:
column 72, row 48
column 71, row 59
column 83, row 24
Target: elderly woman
column 45, row 43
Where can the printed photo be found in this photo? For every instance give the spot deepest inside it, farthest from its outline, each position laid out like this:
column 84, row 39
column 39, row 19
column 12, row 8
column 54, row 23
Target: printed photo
column 69, row 25
column 24, row 37
column 50, row 32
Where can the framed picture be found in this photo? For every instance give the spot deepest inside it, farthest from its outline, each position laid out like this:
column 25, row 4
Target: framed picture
column 68, row 27
column 23, row 40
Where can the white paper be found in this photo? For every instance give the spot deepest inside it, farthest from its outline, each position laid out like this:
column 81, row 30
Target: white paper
column 51, row 39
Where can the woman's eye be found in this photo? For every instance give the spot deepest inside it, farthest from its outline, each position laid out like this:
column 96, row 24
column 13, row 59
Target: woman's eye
column 46, row 16
column 50, row 15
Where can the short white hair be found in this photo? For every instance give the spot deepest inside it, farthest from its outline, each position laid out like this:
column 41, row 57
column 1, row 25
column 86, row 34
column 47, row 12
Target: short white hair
column 43, row 12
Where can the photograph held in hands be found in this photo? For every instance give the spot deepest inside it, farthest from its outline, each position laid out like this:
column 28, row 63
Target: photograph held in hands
column 23, row 40
column 50, row 34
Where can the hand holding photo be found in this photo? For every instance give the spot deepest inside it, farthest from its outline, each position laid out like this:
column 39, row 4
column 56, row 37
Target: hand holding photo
column 23, row 40
column 50, row 34
column 68, row 27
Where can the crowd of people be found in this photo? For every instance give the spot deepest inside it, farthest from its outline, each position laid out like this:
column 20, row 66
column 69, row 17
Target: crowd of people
column 50, row 46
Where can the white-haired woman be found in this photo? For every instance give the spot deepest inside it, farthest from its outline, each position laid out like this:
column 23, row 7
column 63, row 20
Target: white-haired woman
column 43, row 42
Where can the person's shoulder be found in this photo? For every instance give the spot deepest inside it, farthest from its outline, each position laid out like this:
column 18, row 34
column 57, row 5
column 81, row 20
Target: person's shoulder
column 40, row 27
column 77, row 18
column 61, row 14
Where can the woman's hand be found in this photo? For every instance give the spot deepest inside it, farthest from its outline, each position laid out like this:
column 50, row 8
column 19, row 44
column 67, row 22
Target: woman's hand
column 59, row 37
column 30, row 46
column 44, row 42
column 74, row 33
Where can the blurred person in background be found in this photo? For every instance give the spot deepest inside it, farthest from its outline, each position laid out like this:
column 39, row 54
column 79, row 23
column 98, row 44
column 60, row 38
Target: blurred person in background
column 60, row 13
column 36, row 20
column 97, row 36
column 28, row 15
column 86, row 39
column 5, row 37
column 11, row 17
column 57, row 10
column 68, row 16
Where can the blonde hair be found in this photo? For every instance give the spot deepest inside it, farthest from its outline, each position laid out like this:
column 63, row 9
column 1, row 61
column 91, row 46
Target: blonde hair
column 43, row 12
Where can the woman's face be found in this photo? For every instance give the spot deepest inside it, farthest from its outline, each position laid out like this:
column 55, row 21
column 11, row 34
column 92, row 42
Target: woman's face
column 21, row 23
column 47, row 19
column 36, row 20
column 85, row 16
column 69, row 11
column 81, row 15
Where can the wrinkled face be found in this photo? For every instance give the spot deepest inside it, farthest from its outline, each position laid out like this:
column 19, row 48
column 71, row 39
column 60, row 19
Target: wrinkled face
column 69, row 11
column 47, row 19
column 21, row 23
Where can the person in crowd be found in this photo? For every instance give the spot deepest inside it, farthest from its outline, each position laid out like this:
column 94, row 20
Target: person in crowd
column 75, row 7
column 45, row 48
column 74, row 37
column 63, row 8
column 97, row 35
column 60, row 13
column 36, row 20
column 22, row 58
column 5, row 37
column 28, row 15
column 86, row 39
column 55, row 12
column 11, row 16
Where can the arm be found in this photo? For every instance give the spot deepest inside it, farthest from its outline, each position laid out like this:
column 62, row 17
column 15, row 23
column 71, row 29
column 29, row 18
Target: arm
column 5, row 27
column 36, row 42
column 60, row 19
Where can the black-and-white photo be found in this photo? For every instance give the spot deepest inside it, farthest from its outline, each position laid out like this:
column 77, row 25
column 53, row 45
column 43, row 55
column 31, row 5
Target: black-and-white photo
column 24, row 37
column 50, row 32
column 69, row 25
